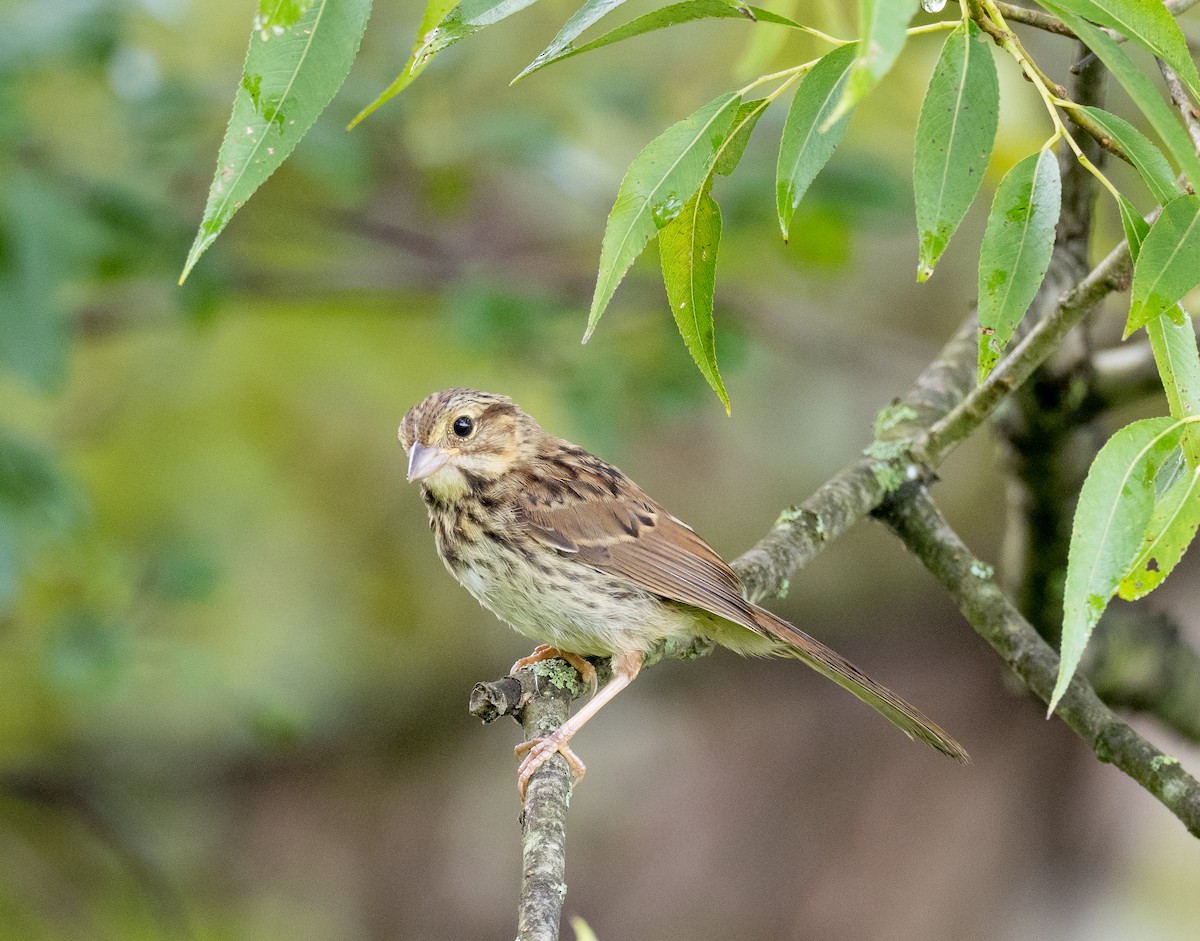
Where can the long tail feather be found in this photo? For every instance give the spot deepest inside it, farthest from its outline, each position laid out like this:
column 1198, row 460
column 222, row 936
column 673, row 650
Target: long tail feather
column 837, row 668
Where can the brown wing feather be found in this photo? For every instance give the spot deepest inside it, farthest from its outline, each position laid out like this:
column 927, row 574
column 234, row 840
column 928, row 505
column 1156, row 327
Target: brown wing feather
column 591, row 510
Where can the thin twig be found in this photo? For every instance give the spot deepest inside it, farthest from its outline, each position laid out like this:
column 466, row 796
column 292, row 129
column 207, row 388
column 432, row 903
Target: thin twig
column 1111, row 274
column 1036, row 18
column 1191, row 114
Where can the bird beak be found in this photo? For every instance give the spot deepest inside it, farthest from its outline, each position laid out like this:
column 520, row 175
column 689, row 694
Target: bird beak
column 424, row 460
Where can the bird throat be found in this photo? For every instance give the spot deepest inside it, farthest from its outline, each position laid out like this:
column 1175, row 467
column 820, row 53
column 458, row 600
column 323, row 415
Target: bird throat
column 448, row 485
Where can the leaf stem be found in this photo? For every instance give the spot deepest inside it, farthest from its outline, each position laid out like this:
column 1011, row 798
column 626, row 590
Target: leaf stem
column 795, row 72
column 1009, row 42
column 939, row 27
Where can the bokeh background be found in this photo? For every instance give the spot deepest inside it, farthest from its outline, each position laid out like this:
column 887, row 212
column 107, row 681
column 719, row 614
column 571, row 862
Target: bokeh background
column 233, row 673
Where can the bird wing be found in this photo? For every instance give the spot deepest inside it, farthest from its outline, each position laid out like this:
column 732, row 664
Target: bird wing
column 593, row 512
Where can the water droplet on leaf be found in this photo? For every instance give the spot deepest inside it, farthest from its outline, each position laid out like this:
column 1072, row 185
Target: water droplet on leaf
column 662, row 213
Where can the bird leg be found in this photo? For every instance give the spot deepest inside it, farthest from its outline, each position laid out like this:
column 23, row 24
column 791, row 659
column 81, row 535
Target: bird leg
column 538, row 751
column 548, row 652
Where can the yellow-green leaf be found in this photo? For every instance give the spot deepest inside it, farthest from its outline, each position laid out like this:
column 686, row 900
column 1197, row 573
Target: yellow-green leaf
column 659, row 183
column 1016, row 251
column 1168, row 264
column 954, row 139
column 687, row 249
column 1114, row 510
column 300, row 53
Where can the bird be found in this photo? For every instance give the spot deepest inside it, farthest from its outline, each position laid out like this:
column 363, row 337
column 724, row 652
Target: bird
column 573, row 554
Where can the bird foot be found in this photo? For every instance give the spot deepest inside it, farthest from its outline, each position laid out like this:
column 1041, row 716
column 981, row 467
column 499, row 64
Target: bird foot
column 537, row 752
column 548, row 652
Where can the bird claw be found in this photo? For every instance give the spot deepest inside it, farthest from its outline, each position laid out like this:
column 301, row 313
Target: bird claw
column 537, row 752
column 549, row 652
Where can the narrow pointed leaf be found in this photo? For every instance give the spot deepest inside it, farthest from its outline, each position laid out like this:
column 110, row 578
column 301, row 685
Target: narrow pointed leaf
column 1016, row 251
column 672, row 15
column 1149, row 24
column 300, row 53
column 1171, row 529
column 1173, row 341
column 687, row 248
column 585, row 16
column 809, row 139
column 882, row 30
column 1160, row 114
column 435, row 12
column 1168, row 264
column 954, row 139
column 1115, row 507
column 1178, row 361
column 1145, row 156
column 730, row 153
column 438, row 33
column 659, row 182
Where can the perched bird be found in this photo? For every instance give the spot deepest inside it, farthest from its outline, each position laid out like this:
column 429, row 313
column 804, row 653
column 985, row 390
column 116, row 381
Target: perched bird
column 573, row 554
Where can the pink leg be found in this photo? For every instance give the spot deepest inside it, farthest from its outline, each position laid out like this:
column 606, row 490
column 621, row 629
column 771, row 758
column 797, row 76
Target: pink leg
column 539, row 750
column 547, row 652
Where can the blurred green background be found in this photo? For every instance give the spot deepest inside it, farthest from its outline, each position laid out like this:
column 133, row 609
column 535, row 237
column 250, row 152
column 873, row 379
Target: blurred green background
column 233, row 673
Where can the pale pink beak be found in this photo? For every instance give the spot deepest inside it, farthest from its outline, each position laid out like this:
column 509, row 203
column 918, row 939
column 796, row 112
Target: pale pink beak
column 424, row 460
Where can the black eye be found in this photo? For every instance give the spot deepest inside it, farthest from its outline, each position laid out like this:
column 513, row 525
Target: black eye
column 463, row 426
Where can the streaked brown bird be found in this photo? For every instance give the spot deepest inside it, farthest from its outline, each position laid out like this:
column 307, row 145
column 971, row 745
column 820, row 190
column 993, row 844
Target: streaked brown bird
column 575, row 555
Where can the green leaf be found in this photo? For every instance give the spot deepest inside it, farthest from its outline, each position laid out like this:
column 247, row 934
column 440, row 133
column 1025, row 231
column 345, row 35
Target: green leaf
column 687, row 248
column 1136, row 228
column 1178, row 361
column 1173, row 341
column 427, row 32
column 882, row 30
column 809, row 138
column 1160, row 115
column 729, row 155
column 672, row 15
column 585, row 16
column 659, row 182
column 469, row 16
column 300, row 53
column 1171, row 529
column 1115, row 508
column 1016, row 251
column 1145, row 156
column 1168, row 264
column 1149, row 24
column 954, row 139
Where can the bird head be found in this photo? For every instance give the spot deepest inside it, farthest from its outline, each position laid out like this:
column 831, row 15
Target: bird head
column 455, row 436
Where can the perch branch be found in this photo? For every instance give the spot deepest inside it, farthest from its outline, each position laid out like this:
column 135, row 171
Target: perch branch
column 542, row 706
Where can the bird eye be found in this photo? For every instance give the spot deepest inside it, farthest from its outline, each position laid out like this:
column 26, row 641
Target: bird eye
column 463, row 426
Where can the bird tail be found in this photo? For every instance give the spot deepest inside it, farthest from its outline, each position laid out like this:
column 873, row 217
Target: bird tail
column 833, row 665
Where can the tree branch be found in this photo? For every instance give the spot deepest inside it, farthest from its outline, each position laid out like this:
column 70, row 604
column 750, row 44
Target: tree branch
column 543, row 704
column 1113, row 273
column 913, row 516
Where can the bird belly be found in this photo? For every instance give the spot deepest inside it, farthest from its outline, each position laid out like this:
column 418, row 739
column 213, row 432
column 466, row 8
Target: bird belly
column 570, row 605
